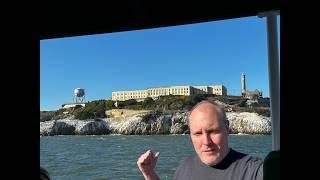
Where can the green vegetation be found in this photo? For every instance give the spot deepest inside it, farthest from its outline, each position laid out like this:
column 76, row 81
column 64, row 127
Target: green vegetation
column 165, row 103
column 185, row 103
column 92, row 110
column 172, row 102
column 96, row 109
column 109, row 104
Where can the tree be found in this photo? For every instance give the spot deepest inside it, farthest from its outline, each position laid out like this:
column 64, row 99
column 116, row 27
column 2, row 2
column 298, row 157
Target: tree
column 110, row 104
column 148, row 103
column 94, row 109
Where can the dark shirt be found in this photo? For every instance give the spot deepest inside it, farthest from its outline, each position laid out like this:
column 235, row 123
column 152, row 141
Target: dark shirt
column 234, row 166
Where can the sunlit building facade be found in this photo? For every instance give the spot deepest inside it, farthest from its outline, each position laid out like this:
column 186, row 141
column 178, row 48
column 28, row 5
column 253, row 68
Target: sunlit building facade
column 154, row 93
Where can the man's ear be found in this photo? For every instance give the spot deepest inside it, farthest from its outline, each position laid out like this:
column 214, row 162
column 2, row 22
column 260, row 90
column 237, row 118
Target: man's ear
column 227, row 123
column 227, row 126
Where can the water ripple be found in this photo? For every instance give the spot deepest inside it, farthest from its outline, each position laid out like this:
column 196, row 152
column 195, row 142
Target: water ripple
column 114, row 157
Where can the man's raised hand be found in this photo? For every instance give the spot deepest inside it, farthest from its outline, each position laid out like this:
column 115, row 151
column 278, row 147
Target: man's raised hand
column 147, row 163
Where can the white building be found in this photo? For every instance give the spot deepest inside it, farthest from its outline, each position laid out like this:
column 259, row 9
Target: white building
column 154, row 93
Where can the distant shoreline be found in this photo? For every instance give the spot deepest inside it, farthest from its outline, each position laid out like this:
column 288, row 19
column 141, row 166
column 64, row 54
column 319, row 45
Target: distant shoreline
column 151, row 124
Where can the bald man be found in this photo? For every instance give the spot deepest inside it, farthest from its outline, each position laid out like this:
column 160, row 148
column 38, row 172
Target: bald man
column 209, row 130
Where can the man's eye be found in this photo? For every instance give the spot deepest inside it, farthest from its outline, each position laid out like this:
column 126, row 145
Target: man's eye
column 197, row 134
column 214, row 132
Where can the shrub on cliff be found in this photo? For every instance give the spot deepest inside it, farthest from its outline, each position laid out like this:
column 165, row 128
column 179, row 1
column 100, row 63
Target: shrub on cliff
column 110, row 104
column 173, row 102
column 185, row 103
column 169, row 103
column 148, row 103
column 94, row 109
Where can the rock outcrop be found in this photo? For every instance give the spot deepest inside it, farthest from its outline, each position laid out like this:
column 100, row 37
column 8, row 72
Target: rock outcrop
column 151, row 123
column 248, row 123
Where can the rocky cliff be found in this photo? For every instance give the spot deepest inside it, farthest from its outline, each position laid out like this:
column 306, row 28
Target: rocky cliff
column 151, row 123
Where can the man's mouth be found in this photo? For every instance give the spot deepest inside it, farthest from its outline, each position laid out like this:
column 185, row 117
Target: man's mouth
column 209, row 150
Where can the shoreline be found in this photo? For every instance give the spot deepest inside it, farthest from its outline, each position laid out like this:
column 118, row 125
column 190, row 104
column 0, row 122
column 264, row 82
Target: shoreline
column 239, row 134
column 164, row 124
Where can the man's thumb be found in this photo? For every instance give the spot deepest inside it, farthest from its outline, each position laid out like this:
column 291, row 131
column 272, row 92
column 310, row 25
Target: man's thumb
column 157, row 155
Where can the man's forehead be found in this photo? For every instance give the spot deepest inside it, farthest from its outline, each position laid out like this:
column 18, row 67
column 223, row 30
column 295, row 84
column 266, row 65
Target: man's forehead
column 206, row 111
column 207, row 117
column 214, row 123
column 204, row 107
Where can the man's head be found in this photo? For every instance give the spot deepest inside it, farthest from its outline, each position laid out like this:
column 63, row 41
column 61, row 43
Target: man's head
column 209, row 132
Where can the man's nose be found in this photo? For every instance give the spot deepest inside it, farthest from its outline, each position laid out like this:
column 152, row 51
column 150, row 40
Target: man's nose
column 207, row 139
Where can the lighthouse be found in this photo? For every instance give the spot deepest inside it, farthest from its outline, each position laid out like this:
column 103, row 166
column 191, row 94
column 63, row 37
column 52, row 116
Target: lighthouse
column 243, row 84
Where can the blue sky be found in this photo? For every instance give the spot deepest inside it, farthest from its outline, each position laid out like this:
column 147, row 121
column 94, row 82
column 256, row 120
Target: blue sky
column 211, row 53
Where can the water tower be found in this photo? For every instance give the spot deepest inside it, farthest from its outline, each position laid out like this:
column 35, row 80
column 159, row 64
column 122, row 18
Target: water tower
column 79, row 95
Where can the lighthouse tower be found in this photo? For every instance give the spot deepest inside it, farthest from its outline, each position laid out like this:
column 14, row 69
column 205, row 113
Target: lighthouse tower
column 243, row 84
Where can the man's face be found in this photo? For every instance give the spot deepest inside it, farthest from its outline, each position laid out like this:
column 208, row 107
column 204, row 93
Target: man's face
column 209, row 134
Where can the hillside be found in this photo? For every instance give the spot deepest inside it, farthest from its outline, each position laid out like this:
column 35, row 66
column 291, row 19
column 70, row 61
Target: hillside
column 164, row 104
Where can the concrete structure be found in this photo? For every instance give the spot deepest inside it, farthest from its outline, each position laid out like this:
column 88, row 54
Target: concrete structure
column 154, row 93
column 254, row 95
column 65, row 106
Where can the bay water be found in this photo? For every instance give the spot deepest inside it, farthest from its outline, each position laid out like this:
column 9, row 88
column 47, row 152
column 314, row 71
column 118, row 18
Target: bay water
column 115, row 156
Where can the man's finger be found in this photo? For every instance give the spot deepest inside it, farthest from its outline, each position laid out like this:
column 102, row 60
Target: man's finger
column 157, row 155
column 144, row 157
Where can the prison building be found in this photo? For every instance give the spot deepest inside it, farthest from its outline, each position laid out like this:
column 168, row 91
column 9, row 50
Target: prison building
column 156, row 92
